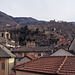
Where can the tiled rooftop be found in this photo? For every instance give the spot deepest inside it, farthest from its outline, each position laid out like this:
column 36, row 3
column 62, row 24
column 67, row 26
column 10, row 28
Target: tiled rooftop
column 31, row 49
column 62, row 65
column 48, row 64
column 69, row 66
column 31, row 57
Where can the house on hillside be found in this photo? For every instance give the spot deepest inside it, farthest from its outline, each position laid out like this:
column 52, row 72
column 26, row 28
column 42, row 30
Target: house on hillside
column 35, row 51
column 5, row 39
column 30, row 44
column 47, row 65
column 62, row 52
column 63, row 43
column 6, row 61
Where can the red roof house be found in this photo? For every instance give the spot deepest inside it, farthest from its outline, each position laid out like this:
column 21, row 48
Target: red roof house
column 63, row 43
column 55, row 65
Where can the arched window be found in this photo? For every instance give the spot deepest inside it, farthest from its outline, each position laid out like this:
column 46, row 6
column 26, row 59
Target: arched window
column 7, row 36
column 67, row 44
column 2, row 34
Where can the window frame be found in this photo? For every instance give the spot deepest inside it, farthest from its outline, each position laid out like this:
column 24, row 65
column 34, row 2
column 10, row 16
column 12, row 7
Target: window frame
column 3, row 66
column 39, row 54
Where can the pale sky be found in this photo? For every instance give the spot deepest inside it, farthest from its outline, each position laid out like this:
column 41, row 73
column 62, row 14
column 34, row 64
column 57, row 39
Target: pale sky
column 40, row 9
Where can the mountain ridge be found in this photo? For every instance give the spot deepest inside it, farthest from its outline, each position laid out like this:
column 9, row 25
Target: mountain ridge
column 7, row 19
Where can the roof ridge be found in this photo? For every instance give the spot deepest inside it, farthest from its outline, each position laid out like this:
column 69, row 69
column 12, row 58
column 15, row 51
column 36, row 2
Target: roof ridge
column 62, row 64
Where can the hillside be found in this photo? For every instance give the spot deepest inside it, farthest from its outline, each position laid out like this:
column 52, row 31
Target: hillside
column 6, row 19
column 26, row 21
column 67, row 29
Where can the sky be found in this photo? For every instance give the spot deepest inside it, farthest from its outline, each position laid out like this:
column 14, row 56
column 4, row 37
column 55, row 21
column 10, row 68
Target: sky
column 40, row 9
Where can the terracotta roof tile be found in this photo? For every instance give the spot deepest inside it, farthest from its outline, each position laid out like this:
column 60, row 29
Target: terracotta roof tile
column 49, row 64
column 31, row 56
column 62, row 65
column 69, row 66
